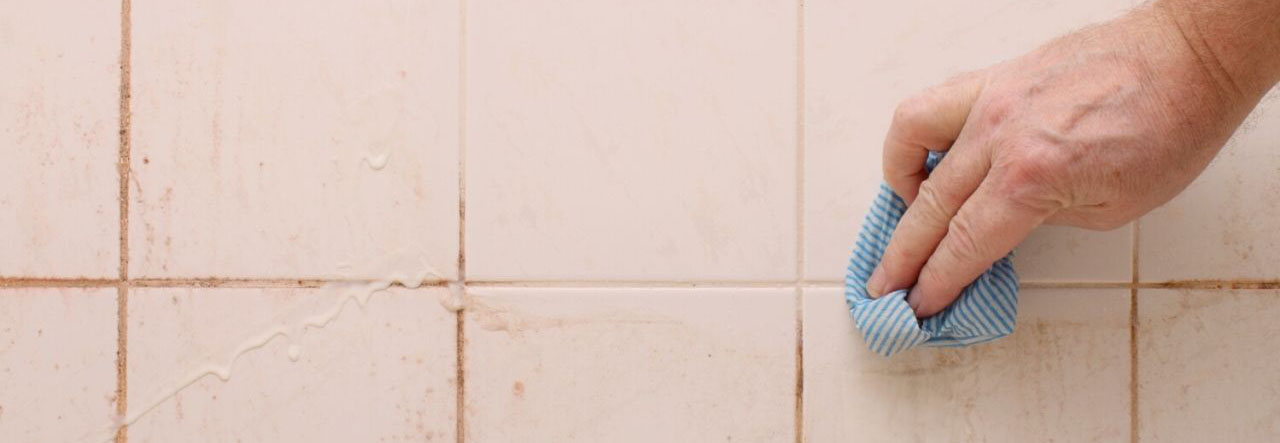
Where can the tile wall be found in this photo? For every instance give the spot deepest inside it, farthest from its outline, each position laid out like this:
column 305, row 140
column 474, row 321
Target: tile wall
column 563, row 221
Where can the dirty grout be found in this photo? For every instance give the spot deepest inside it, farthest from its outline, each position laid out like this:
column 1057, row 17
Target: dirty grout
column 1133, row 334
column 23, row 282
column 216, row 282
column 460, row 424
column 630, row 284
column 123, row 168
column 255, row 283
column 122, row 358
column 800, row 227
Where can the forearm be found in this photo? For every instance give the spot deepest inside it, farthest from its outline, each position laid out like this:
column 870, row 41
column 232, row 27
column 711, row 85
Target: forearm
column 1236, row 41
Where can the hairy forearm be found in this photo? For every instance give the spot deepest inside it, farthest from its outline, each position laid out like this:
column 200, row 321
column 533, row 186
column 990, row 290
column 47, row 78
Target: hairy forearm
column 1236, row 41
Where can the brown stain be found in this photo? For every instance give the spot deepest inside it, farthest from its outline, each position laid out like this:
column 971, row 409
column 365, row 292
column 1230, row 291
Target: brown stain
column 122, row 358
column 124, row 166
column 1212, row 284
column 517, row 389
column 37, row 282
column 493, row 317
column 460, row 375
column 930, row 361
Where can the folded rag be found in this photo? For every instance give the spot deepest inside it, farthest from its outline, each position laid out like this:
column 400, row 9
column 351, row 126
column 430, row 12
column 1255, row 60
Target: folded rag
column 986, row 309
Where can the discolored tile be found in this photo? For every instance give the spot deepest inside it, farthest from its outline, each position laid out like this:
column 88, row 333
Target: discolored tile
column 630, row 365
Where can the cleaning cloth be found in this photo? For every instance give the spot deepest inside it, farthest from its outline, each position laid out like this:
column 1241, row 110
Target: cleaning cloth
column 986, row 309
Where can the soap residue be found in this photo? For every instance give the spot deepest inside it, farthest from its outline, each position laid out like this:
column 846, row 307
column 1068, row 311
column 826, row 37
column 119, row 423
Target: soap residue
column 377, row 161
column 347, row 292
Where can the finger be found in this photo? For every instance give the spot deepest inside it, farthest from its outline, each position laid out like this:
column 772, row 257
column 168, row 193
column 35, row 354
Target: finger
column 987, row 227
column 925, row 222
column 930, row 120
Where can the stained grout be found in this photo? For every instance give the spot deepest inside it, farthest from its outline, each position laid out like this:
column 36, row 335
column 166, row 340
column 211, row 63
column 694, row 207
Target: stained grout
column 214, row 282
column 1075, row 285
column 248, row 283
column 799, row 220
column 22, row 282
column 628, row 284
column 122, row 359
column 196, row 283
column 123, row 168
column 1133, row 333
column 460, row 424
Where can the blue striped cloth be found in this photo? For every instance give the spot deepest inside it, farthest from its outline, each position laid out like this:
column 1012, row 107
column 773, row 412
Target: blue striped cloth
column 986, row 309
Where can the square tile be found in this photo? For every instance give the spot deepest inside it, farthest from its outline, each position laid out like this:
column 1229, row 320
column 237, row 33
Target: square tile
column 1063, row 375
column 1223, row 226
column 630, row 365
column 238, row 365
column 59, row 117
column 273, row 141
column 1206, row 365
column 623, row 140
column 861, row 59
column 57, row 364
column 1068, row 254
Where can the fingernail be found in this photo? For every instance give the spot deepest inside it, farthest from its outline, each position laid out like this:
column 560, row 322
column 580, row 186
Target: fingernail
column 913, row 300
column 875, row 284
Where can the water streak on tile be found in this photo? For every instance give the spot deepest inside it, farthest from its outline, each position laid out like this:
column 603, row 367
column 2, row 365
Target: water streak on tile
column 302, row 319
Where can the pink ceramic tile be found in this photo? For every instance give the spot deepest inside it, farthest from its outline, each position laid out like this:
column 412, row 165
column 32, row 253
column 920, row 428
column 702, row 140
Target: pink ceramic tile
column 1207, row 365
column 1066, row 254
column 623, row 140
column 59, row 114
column 273, row 140
column 1062, row 376
column 861, row 59
column 630, row 365
column 384, row 372
column 57, row 364
column 1224, row 226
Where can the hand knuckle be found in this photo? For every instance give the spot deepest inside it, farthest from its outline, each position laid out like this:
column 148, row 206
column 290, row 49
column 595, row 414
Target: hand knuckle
column 963, row 241
column 995, row 109
column 930, row 204
column 1031, row 177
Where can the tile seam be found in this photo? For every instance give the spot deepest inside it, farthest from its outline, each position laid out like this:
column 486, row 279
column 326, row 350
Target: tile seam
column 123, row 167
column 1133, row 333
column 20, row 283
column 799, row 221
column 460, row 425
column 23, row 282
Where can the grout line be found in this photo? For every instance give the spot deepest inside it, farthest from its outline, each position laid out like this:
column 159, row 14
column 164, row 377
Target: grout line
column 800, row 227
column 1078, row 285
column 248, row 283
column 1133, row 334
column 211, row 282
column 216, row 282
column 57, row 283
column 235, row 282
column 122, row 358
column 123, row 167
column 1211, row 284
column 1021, row 285
column 799, row 411
column 460, row 424
column 628, row 284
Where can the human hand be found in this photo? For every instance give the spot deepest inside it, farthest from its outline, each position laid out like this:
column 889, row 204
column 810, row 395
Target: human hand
column 1091, row 130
